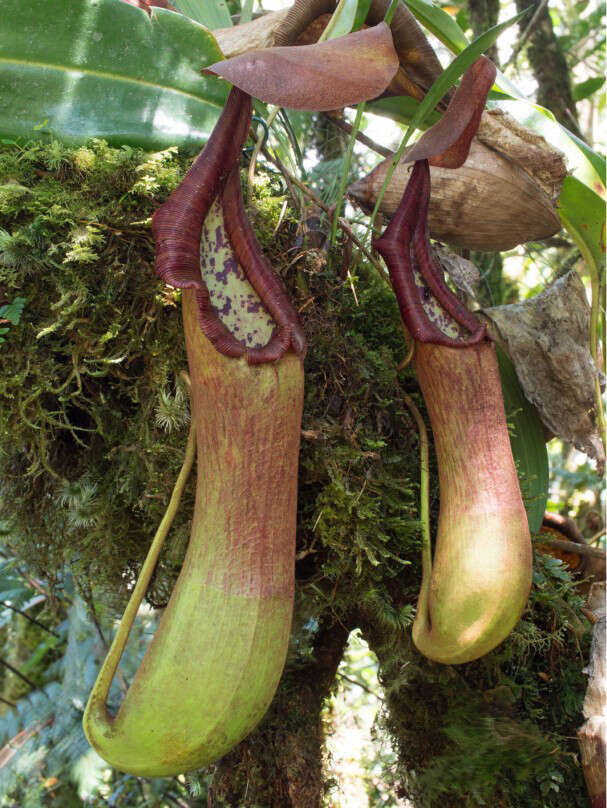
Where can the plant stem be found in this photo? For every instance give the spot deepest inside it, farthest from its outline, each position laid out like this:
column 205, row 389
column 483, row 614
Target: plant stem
column 27, row 617
column 257, row 148
column 18, row 673
column 346, row 171
column 346, row 127
column 424, row 488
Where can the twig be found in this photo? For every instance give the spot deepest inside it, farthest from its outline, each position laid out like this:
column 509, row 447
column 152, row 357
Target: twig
column 346, row 127
column 257, row 148
column 27, row 617
column 6, row 701
column 361, row 685
column 342, row 222
column 18, row 673
column 526, row 33
column 574, row 547
column 343, row 181
column 109, row 667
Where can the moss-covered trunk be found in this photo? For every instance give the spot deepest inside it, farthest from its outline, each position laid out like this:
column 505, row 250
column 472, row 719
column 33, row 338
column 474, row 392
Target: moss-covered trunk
column 93, row 423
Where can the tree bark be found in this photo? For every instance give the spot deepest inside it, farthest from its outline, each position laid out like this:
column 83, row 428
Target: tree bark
column 280, row 764
column 484, row 15
column 592, row 735
column 549, row 65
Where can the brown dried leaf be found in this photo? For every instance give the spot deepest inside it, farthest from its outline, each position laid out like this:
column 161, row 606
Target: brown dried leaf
column 530, row 151
column 447, row 143
column 547, row 338
column 417, row 58
column 463, row 273
column 488, row 204
column 323, row 76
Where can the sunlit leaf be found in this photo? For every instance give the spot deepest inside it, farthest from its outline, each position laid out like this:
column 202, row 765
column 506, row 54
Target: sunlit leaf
column 586, row 88
column 78, row 69
column 439, row 23
column 246, row 15
column 401, row 108
column 583, row 214
column 212, row 13
column 348, row 16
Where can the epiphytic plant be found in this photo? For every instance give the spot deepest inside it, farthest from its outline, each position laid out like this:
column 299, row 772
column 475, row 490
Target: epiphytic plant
column 475, row 588
column 216, row 658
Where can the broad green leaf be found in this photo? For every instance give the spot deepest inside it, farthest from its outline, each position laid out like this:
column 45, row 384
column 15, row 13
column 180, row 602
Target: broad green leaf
column 78, row 69
column 586, row 88
column 583, row 214
column 212, row 13
column 439, row 23
column 348, row 16
column 527, row 442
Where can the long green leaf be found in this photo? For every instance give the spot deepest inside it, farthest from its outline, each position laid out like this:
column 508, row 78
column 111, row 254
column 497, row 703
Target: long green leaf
column 212, row 13
column 246, row 15
column 439, row 23
column 583, row 211
column 78, row 69
column 401, row 108
column 458, row 67
column 527, row 442
column 348, row 16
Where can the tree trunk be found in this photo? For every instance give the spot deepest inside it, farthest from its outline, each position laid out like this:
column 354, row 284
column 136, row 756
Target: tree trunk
column 280, row 764
column 483, row 15
column 549, row 65
column 593, row 734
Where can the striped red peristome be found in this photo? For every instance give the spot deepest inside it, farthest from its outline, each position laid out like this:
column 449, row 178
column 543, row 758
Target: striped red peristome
column 177, row 228
column 404, row 246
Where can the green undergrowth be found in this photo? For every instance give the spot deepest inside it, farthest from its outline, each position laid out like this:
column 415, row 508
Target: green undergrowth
column 93, row 422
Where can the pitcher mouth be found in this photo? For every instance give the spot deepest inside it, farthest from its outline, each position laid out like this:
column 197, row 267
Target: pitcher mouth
column 243, row 308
